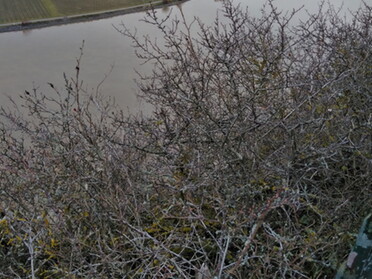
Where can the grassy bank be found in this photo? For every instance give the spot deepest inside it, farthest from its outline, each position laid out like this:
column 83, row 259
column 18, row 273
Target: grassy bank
column 13, row 11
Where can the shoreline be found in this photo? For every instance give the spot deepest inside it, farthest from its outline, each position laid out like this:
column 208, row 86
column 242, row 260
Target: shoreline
column 48, row 22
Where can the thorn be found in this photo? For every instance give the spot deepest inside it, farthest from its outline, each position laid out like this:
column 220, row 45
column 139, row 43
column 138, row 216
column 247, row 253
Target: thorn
column 51, row 84
column 27, row 93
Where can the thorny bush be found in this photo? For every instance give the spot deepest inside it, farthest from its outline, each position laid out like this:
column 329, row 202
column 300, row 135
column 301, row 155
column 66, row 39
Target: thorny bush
column 255, row 163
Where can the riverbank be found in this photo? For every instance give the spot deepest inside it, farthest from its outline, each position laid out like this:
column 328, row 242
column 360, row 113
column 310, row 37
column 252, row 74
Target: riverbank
column 43, row 23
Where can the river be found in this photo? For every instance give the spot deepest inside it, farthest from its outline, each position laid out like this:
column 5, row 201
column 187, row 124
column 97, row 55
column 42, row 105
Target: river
column 32, row 58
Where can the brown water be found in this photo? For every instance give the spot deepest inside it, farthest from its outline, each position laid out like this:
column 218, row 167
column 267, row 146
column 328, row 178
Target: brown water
column 33, row 58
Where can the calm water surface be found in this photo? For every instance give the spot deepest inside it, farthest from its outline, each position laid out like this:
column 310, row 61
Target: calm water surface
column 33, row 58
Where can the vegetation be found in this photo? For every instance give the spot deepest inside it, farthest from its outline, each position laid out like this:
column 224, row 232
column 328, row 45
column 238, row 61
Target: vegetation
column 25, row 10
column 22, row 10
column 256, row 162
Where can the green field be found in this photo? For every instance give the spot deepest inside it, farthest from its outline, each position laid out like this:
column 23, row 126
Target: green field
column 12, row 11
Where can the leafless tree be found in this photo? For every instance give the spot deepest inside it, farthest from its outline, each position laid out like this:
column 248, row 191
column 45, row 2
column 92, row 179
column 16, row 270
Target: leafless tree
column 255, row 163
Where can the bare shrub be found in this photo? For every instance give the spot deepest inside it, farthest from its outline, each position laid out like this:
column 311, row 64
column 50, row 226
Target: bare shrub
column 256, row 162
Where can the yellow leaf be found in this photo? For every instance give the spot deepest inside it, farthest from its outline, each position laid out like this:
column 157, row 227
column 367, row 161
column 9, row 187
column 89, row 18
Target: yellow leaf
column 53, row 243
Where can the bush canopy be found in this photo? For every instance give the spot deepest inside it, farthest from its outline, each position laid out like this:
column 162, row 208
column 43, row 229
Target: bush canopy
column 255, row 162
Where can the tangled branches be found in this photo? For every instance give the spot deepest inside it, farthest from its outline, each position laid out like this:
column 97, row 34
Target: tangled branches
column 256, row 162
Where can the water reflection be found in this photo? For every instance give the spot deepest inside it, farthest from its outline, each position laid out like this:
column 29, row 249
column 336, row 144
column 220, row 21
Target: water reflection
column 26, row 32
column 165, row 9
column 33, row 58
